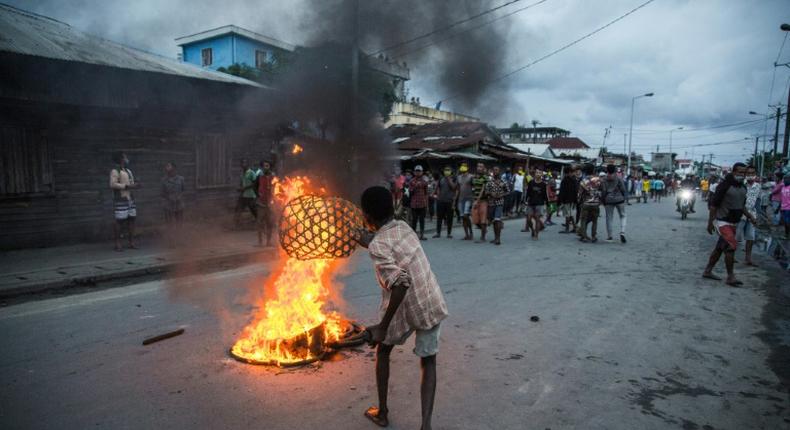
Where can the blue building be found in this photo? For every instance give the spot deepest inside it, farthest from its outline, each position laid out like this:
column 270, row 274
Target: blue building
column 228, row 45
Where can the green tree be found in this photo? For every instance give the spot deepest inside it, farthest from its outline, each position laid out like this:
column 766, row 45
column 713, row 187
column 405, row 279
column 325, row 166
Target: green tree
column 242, row 70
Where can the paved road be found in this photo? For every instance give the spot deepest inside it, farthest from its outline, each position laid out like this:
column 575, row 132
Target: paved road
column 629, row 337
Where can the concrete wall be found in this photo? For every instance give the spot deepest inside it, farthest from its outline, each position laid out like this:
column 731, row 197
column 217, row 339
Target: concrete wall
column 408, row 113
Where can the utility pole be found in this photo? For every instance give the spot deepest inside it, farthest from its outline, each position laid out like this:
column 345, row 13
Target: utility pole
column 710, row 162
column 756, row 142
column 776, row 132
column 787, row 126
column 625, row 149
column 354, row 83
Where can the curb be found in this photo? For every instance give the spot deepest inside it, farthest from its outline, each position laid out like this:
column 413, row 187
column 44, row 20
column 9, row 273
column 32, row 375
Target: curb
column 235, row 259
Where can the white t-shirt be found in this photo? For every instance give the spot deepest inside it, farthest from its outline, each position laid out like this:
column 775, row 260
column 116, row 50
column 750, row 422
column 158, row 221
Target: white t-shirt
column 518, row 185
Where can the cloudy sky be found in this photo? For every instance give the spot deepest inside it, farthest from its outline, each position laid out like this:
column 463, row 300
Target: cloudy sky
column 709, row 62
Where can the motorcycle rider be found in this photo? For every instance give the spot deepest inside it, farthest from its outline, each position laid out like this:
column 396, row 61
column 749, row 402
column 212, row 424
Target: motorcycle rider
column 688, row 183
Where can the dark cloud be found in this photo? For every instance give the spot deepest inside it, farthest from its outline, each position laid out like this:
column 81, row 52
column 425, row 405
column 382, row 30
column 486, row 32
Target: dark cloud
column 708, row 61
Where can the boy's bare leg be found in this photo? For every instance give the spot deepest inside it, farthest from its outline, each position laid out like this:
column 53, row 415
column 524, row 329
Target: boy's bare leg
column 427, row 389
column 379, row 415
column 116, row 229
column 130, row 224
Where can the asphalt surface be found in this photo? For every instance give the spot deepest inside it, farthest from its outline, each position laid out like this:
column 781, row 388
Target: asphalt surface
column 629, row 337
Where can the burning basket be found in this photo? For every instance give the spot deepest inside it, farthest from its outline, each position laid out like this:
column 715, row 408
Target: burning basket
column 319, row 227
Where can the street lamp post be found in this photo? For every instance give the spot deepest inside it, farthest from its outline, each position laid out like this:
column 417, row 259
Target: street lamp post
column 631, row 128
column 671, row 158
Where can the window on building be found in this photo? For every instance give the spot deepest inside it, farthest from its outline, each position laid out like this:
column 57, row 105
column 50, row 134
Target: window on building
column 261, row 59
column 212, row 162
column 207, row 56
column 25, row 161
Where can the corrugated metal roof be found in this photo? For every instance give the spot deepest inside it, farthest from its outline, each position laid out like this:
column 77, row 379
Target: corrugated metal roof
column 567, row 143
column 27, row 33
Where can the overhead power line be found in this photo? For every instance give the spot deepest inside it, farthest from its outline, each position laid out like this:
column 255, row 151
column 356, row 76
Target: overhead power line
column 558, row 50
column 445, row 28
column 427, row 45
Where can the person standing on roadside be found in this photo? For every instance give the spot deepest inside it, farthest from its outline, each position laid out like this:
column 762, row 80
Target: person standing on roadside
column 480, row 205
column 726, row 210
column 446, row 188
column 264, row 203
column 569, row 192
column 613, row 195
column 465, row 199
column 537, row 198
column 246, row 192
column 122, row 183
column 173, row 202
column 418, row 201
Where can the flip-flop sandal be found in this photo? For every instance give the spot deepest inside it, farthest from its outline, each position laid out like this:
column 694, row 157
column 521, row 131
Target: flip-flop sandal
column 711, row 276
column 752, row 264
column 373, row 414
column 735, row 283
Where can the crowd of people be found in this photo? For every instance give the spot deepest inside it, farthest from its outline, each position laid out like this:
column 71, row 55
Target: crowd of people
column 485, row 197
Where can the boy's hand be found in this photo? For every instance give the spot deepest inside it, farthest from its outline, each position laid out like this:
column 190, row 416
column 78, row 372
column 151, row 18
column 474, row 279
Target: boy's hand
column 711, row 229
column 363, row 236
column 375, row 334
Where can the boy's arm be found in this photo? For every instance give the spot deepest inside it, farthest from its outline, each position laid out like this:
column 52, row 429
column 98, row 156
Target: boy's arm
column 397, row 281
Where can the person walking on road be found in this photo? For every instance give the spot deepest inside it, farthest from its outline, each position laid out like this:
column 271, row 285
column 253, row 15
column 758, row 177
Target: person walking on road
column 418, row 192
column 465, row 199
column 646, row 188
column 726, row 210
column 658, row 189
column 480, row 205
column 746, row 229
column 569, row 192
column 591, row 202
column 613, row 196
column 786, row 205
column 446, row 189
column 518, row 191
column 495, row 191
column 411, row 301
column 537, row 198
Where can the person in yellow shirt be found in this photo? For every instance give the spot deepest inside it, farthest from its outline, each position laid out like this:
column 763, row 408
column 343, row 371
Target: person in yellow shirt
column 645, row 188
column 704, row 186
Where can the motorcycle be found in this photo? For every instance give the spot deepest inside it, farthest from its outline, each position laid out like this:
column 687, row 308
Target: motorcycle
column 685, row 196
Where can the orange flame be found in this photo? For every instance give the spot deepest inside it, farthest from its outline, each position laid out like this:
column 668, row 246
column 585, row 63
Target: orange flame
column 296, row 149
column 301, row 290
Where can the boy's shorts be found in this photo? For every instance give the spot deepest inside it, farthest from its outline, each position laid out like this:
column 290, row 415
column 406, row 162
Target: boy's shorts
column 786, row 216
column 495, row 212
column 426, row 342
column 480, row 213
column 745, row 231
column 465, row 207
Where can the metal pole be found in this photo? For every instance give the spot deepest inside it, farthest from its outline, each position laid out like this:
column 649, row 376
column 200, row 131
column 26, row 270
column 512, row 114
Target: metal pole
column 631, row 134
column 354, row 82
column 756, row 142
column 776, row 132
column 787, row 127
